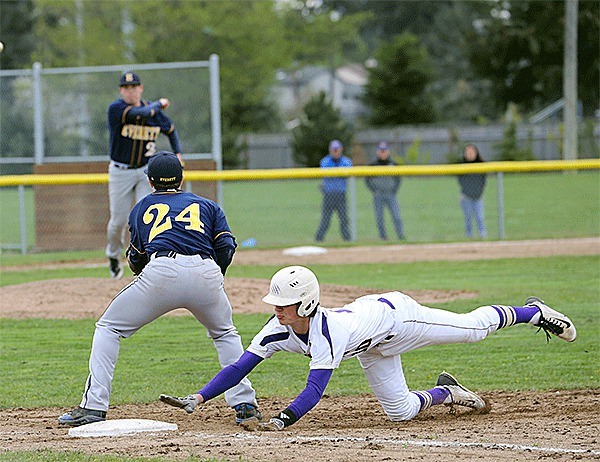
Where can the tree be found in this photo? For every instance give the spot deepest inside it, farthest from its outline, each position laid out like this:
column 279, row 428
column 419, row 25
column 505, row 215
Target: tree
column 79, row 33
column 16, row 32
column 390, row 18
column 248, row 37
column 320, row 124
column 396, row 86
column 457, row 92
column 321, row 36
column 519, row 47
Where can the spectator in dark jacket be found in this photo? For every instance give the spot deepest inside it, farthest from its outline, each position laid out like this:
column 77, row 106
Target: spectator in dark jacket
column 384, row 189
column 471, row 189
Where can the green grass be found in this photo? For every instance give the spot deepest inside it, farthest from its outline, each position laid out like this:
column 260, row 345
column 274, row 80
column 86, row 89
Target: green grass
column 548, row 205
column 49, row 357
column 10, row 224
column 287, row 212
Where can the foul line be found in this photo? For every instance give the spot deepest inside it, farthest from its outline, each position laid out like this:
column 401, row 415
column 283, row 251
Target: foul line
column 395, row 442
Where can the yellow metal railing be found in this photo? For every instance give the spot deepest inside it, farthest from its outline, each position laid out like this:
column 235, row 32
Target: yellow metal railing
column 297, row 173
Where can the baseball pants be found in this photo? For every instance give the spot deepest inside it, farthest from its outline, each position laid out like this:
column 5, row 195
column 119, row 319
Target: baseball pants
column 164, row 285
column 418, row 326
column 125, row 188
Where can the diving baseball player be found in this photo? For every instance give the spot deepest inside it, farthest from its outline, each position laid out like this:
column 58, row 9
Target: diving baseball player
column 134, row 125
column 376, row 329
column 181, row 246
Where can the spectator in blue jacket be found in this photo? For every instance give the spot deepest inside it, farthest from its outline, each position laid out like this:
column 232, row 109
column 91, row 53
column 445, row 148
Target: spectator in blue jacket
column 334, row 192
column 471, row 197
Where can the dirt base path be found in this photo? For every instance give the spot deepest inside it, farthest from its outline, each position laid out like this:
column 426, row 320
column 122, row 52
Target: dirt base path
column 529, row 426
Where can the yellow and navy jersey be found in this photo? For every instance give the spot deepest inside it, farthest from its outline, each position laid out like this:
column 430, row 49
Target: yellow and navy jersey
column 135, row 129
column 177, row 221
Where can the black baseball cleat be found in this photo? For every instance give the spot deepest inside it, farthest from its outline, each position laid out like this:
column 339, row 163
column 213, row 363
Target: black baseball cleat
column 245, row 412
column 459, row 395
column 114, row 266
column 81, row 416
column 552, row 322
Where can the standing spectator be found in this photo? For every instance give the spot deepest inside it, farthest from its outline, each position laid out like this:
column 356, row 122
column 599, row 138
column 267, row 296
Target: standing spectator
column 384, row 189
column 134, row 126
column 334, row 192
column 471, row 189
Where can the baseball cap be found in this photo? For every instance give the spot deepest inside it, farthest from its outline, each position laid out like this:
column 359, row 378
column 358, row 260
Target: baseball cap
column 335, row 144
column 164, row 168
column 129, row 78
column 383, row 146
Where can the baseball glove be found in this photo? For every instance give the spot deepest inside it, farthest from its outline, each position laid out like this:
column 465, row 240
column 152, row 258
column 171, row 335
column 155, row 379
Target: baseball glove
column 188, row 404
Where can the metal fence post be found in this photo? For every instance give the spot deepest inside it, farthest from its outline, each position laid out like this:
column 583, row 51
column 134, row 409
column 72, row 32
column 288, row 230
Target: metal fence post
column 21, row 189
column 500, row 200
column 352, row 218
column 215, row 120
column 38, row 114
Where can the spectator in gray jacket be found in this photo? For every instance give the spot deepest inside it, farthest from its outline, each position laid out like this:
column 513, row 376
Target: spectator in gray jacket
column 471, row 194
column 384, row 189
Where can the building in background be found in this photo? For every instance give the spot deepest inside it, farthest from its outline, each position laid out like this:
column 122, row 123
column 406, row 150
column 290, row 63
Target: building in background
column 345, row 86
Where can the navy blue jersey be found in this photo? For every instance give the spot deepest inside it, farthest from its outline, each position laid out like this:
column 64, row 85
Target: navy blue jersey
column 177, row 221
column 134, row 131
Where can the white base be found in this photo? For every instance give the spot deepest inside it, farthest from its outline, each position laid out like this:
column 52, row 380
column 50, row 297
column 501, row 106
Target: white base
column 305, row 250
column 119, row 427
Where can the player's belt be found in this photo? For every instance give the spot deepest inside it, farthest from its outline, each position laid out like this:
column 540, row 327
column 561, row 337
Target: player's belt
column 122, row 166
column 173, row 254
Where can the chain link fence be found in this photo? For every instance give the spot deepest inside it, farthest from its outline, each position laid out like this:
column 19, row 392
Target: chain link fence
column 60, row 114
column 286, row 212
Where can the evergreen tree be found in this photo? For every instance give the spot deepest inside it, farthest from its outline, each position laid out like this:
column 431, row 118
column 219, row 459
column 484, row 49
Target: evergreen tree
column 16, row 32
column 321, row 123
column 396, row 87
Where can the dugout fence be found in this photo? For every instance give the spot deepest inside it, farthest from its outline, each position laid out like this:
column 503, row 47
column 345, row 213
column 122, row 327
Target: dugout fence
column 282, row 207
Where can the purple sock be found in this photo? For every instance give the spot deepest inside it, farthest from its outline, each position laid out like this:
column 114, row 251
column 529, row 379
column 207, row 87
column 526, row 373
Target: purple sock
column 438, row 395
column 525, row 313
column 511, row 315
column 431, row 397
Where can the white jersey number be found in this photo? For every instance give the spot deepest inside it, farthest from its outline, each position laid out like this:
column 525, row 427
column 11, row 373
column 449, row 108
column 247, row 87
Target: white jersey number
column 150, row 149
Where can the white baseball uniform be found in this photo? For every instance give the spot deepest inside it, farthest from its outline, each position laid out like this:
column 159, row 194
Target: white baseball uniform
column 378, row 329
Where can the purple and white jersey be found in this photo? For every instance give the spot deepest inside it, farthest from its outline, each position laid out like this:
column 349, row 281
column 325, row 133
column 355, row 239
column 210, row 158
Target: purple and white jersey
column 334, row 335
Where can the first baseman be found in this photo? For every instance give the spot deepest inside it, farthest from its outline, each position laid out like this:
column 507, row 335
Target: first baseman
column 376, row 329
column 134, row 125
column 181, row 246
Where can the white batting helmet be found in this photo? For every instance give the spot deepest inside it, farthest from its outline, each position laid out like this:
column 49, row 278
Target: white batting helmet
column 294, row 284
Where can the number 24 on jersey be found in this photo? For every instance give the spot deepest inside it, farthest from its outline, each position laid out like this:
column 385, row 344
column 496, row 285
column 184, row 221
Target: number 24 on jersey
column 157, row 215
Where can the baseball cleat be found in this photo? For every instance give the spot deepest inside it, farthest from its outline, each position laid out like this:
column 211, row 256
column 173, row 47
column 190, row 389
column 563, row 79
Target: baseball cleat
column 81, row 416
column 552, row 322
column 246, row 412
column 188, row 404
column 459, row 395
column 116, row 272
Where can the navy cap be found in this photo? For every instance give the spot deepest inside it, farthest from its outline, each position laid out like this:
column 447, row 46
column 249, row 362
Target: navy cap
column 383, row 146
column 164, row 169
column 129, row 78
column 335, row 144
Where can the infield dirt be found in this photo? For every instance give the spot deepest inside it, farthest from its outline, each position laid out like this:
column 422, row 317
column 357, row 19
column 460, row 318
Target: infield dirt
column 558, row 425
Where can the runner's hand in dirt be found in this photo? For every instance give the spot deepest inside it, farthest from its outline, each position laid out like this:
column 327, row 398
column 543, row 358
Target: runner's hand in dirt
column 272, row 425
